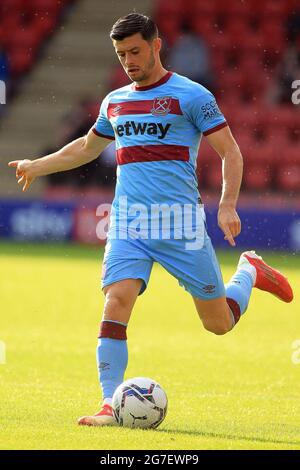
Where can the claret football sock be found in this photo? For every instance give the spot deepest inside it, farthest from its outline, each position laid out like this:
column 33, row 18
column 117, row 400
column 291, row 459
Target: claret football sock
column 112, row 356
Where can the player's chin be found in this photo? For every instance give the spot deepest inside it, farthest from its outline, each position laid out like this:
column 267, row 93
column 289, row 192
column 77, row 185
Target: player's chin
column 135, row 75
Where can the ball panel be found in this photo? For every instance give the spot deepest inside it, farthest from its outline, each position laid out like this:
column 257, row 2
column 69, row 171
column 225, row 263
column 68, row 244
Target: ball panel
column 139, row 403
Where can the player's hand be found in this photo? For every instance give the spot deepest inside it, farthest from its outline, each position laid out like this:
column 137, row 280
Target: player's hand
column 229, row 222
column 24, row 173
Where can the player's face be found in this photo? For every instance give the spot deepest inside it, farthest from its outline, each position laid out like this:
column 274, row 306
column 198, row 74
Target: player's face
column 137, row 56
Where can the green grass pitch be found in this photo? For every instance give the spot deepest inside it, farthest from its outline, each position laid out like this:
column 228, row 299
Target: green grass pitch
column 238, row 391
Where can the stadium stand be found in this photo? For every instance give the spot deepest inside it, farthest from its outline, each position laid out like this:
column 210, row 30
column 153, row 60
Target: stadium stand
column 247, row 42
column 72, row 64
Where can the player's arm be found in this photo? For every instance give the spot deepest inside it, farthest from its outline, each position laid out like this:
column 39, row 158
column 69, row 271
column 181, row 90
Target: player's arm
column 76, row 153
column 225, row 145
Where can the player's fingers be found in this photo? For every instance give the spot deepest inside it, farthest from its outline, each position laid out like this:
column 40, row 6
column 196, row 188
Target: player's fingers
column 20, row 180
column 239, row 227
column 235, row 228
column 13, row 163
column 228, row 236
column 27, row 184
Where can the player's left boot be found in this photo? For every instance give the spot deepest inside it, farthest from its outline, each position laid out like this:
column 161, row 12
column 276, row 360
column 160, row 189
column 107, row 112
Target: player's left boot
column 104, row 417
column 267, row 278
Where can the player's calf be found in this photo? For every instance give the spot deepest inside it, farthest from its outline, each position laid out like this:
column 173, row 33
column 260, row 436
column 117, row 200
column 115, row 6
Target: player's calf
column 215, row 315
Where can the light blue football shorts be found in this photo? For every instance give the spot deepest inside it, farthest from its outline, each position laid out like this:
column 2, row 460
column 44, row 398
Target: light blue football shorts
column 198, row 271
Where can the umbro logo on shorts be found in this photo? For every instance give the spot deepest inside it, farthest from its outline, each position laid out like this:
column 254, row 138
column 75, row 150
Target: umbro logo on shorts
column 209, row 289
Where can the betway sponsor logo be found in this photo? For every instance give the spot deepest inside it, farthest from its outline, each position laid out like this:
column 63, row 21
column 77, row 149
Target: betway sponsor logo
column 136, row 128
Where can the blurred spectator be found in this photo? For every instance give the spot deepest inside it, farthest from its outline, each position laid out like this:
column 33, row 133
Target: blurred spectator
column 287, row 71
column 190, row 57
column 76, row 124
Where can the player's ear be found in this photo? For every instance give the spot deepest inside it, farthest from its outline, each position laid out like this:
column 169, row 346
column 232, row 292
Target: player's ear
column 157, row 44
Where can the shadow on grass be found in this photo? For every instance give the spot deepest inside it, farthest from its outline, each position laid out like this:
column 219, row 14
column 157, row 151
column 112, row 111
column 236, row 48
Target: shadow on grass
column 228, row 436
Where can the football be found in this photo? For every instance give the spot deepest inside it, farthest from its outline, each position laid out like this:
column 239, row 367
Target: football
column 139, row 403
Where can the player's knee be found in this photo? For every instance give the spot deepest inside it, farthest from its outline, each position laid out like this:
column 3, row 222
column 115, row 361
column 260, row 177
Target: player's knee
column 218, row 328
column 115, row 302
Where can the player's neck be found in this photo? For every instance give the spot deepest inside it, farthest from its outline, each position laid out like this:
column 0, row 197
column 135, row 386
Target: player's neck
column 154, row 77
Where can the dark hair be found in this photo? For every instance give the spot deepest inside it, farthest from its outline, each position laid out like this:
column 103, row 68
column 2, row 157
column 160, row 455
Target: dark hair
column 132, row 24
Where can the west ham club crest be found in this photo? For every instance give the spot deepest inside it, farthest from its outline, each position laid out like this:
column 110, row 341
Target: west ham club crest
column 161, row 106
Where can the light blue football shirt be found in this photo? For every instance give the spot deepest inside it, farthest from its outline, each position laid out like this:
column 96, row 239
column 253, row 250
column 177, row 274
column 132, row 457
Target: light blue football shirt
column 158, row 130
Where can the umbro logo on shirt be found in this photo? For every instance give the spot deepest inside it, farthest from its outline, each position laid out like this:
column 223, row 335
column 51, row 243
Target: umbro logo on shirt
column 117, row 109
column 136, row 128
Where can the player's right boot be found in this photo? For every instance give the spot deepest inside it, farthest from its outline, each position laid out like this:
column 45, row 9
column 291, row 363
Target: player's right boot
column 104, row 417
column 268, row 278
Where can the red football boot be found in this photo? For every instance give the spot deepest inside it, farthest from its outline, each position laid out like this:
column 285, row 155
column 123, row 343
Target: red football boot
column 104, row 417
column 268, row 278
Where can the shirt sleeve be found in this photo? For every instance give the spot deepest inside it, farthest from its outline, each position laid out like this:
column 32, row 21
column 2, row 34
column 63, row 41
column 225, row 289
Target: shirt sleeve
column 205, row 113
column 102, row 126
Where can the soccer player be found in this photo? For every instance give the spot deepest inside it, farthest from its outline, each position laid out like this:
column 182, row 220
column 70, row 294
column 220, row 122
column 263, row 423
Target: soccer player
column 158, row 121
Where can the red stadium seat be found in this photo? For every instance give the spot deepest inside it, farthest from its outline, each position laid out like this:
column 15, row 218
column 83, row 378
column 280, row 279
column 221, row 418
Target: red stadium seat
column 247, row 118
column 229, row 102
column 251, row 44
column 25, row 38
column 202, row 25
column 44, row 25
column 245, row 140
column 288, row 170
column 254, row 86
column 234, row 8
column 238, row 30
column 274, row 9
column 289, row 178
column 46, row 7
column 282, row 120
column 212, row 177
column 194, row 7
column 169, row 28
column 219, row 61
column 257, row 177
column 12, row 7
column 9, row 28
column 251, row 64
column 230, row 79
column 93, row 110
column 20, row 60
column 118, row 78
column 219, row 41
column 273, row 36
column 259, row 162
column 170, row 10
